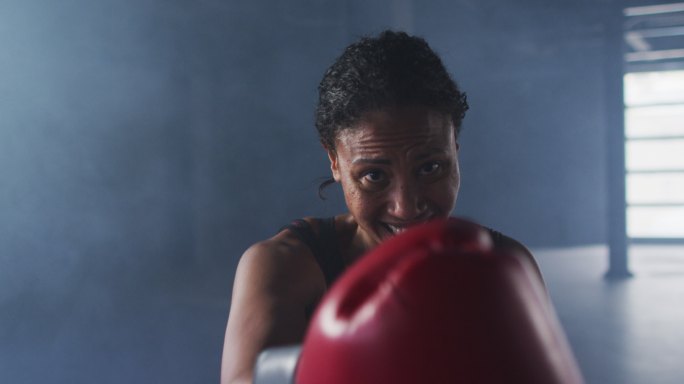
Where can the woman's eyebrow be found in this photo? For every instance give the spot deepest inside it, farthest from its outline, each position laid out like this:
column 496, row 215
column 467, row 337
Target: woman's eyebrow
column 430, row 152
column 371, row 161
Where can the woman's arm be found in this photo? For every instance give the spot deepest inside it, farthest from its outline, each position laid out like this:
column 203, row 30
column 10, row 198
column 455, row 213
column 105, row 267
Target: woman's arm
column 276, row 281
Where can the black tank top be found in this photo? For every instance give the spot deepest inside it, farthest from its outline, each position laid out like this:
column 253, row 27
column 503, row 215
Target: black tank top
column 327, row 252
column 323, row 245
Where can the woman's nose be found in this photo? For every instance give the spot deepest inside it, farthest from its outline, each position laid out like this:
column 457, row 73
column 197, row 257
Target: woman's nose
column 406, row 203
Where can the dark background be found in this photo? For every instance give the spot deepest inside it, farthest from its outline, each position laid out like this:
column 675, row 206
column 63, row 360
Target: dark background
column 144, row 144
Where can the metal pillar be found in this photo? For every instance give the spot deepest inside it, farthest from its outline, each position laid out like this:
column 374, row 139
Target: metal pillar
column 615, row 144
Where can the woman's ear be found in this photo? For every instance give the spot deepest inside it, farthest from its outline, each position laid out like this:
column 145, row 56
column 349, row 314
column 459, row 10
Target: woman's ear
column 334, row 163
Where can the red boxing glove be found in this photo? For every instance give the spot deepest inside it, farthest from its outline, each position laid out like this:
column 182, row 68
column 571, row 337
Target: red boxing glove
column 437, row 304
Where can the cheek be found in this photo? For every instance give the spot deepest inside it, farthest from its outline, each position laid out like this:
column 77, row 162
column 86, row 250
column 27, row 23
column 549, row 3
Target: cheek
column 456, row 183
column 445, row 193
column 352, row 195
column 362, row 205
column 445, row 196
column 455, row 178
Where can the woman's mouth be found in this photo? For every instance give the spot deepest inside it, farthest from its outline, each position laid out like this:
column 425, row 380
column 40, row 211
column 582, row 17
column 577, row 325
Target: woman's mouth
column 395, row 229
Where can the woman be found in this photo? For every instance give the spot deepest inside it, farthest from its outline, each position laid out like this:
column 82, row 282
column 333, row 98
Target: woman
column 389, row 117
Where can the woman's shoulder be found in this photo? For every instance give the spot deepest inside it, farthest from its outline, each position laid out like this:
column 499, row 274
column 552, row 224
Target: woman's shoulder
column 284, row 260
column 507, row 243
column 503, row 241
column 277, row 283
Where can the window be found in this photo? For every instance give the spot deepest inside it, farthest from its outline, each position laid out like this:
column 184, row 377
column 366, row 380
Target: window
column 654, row 121
column 654, row 129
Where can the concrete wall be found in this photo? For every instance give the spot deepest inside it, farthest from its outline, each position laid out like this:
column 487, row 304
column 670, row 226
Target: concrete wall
column 533, row 146
column 145, row 144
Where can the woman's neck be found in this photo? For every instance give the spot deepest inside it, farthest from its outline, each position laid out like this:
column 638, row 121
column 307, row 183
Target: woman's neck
column 352, row 241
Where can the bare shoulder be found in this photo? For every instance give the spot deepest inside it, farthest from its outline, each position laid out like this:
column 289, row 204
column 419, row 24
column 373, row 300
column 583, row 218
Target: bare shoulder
column 504, row 242
column 282, row 261
column 276, row 283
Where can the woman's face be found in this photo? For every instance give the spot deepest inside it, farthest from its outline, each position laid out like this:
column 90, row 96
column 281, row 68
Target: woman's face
column 397, row 168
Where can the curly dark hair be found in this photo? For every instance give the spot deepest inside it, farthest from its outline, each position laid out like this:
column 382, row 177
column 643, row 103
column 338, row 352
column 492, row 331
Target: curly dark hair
column 390, row 70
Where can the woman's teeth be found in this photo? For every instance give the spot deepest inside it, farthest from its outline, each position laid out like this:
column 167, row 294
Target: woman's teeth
column 396, row 230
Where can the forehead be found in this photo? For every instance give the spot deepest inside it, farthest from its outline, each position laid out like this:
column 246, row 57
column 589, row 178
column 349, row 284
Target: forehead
column 403, row 129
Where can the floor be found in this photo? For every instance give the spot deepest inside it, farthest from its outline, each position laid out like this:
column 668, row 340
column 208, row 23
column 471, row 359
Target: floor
column 623, row 332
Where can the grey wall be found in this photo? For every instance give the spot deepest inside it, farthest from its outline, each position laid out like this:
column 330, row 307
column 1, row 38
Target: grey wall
column 145, row 144
column 533, row 146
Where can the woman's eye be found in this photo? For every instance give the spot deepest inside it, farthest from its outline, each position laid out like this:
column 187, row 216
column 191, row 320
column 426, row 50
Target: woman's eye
column 429, row 168
column 374, row 176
